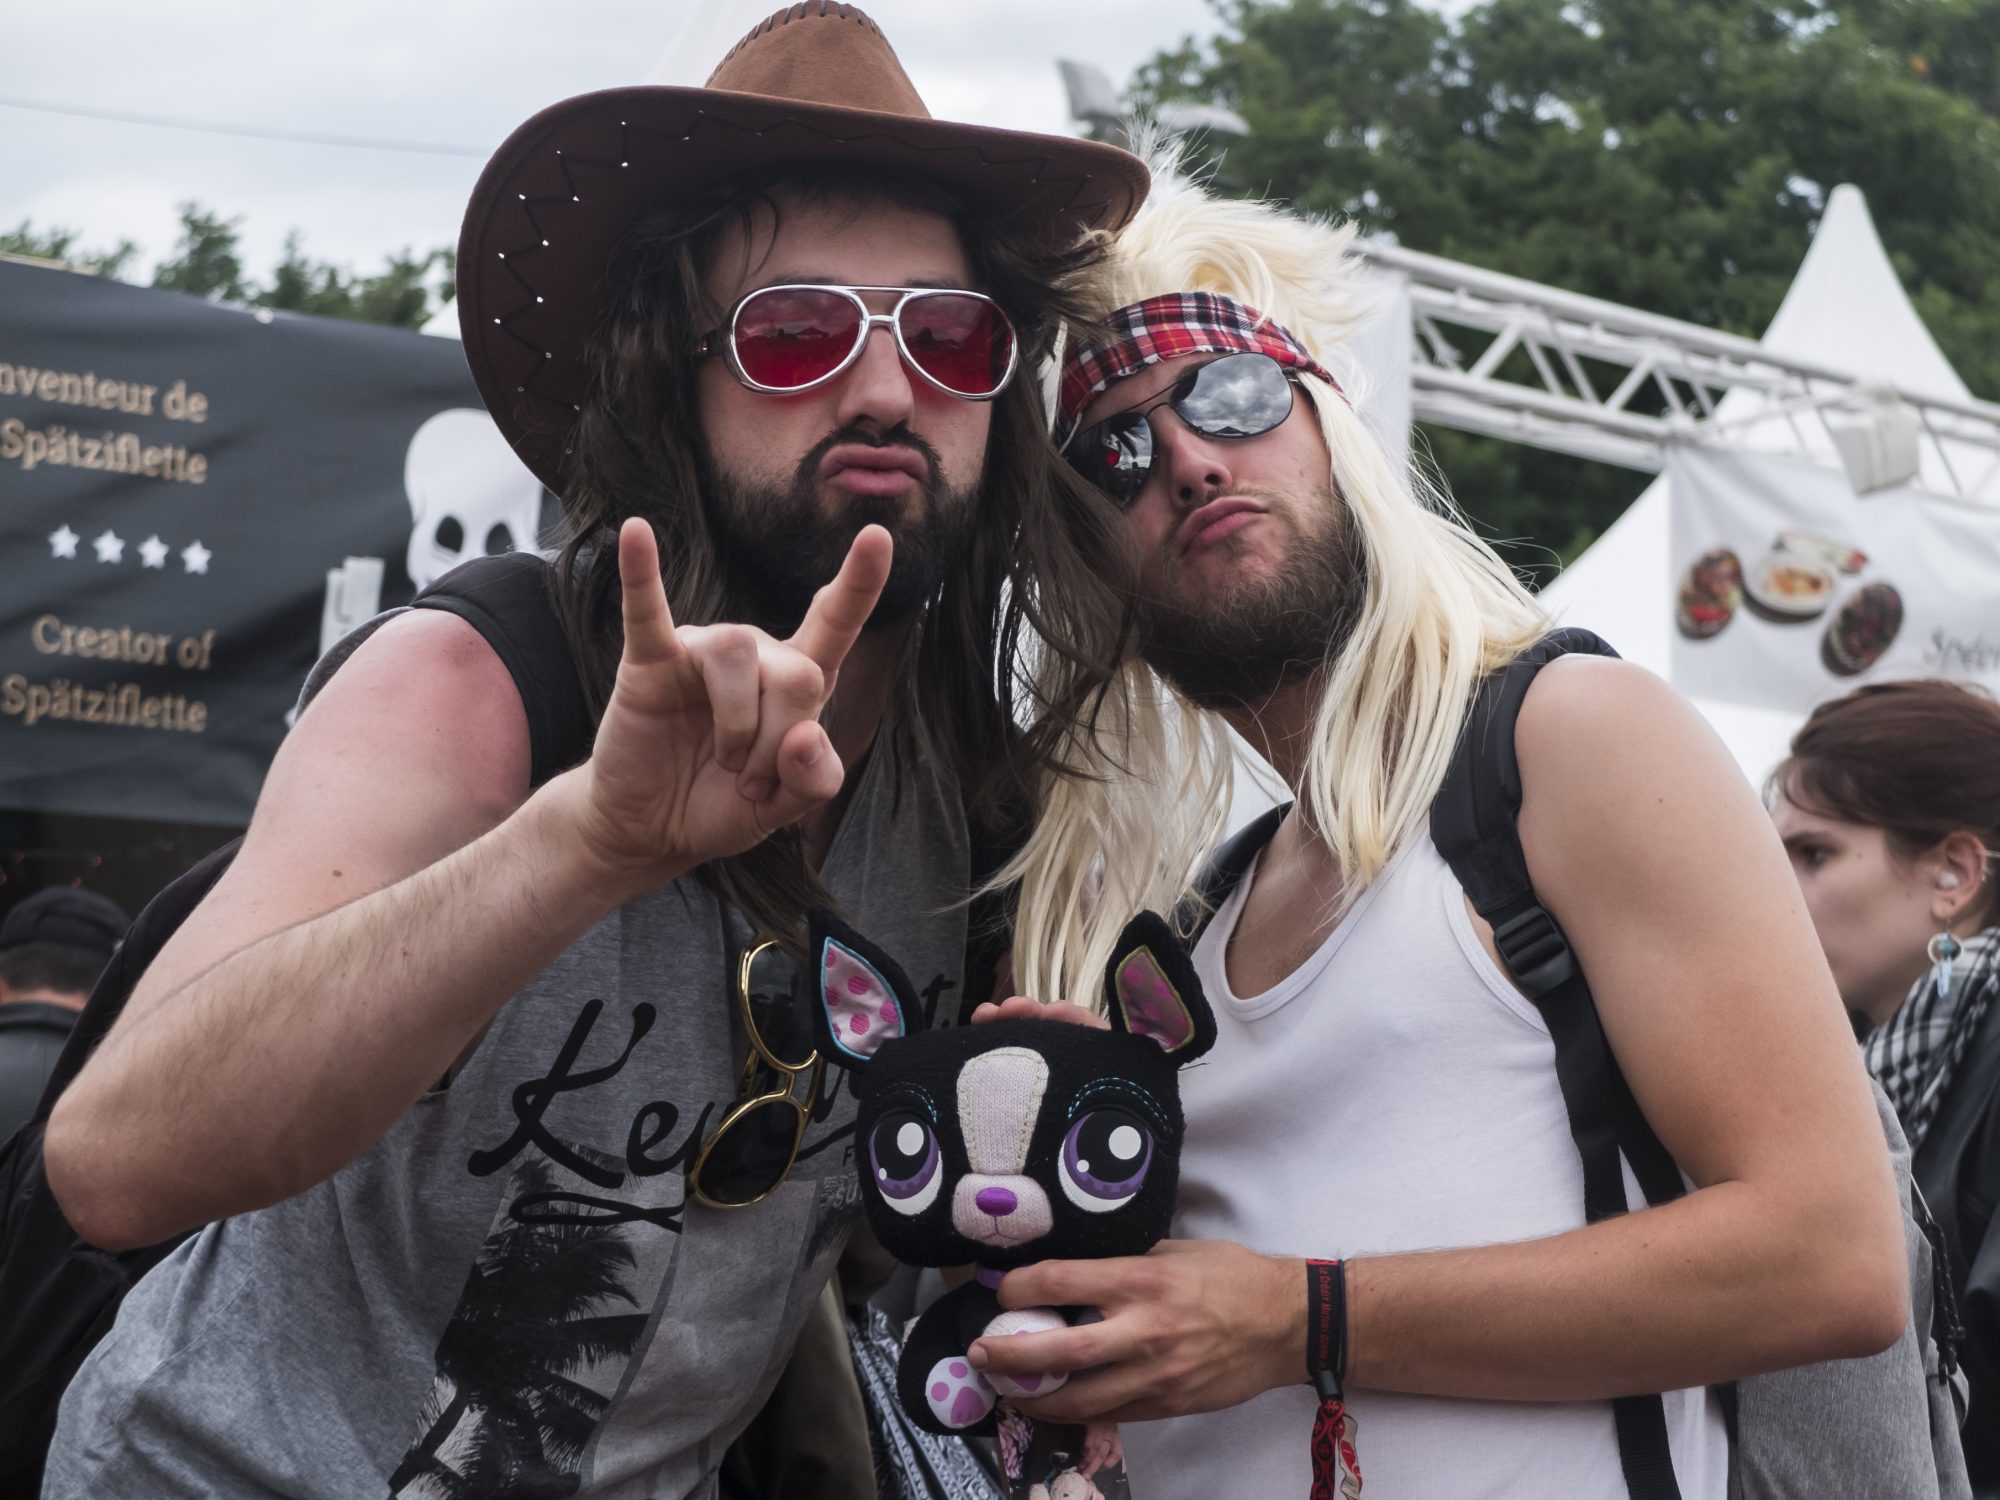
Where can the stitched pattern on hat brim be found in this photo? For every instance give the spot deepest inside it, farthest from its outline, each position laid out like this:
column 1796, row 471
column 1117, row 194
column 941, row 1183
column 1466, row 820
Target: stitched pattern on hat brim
column 543, row 226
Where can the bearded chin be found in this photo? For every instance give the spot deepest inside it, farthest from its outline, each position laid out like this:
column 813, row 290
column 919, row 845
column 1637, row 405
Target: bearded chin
column 779, row 545
column 1236, row 652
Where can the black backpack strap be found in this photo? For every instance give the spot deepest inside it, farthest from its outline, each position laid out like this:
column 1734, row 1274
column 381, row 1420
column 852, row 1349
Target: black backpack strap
column 508, row 600
column 1225, row 870
column 1473, row 826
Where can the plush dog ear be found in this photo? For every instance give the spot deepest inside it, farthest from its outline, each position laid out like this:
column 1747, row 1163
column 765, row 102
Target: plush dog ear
column 1152, row 990
column 864, row 999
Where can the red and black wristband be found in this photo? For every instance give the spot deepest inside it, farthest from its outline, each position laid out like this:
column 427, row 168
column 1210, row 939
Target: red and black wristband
column 1326, row 1328
column 1326, row 1371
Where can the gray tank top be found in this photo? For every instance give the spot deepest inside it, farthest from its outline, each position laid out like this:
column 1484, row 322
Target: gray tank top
column 511, row 1294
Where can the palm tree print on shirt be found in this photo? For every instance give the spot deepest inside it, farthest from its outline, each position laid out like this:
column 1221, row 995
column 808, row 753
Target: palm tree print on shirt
column 510, row 1412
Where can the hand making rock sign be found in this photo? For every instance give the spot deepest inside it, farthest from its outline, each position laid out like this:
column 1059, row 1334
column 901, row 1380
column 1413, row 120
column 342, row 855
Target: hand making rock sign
column 711, row 740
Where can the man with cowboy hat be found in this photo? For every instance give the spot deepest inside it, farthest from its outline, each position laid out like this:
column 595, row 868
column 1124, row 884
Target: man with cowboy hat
column 516, row 1177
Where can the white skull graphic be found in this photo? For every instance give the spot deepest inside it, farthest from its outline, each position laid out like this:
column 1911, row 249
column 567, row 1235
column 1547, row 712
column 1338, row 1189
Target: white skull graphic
column 470, row 496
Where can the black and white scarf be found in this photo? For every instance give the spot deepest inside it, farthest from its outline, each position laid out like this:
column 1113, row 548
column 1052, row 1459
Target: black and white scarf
column 1915, row 1054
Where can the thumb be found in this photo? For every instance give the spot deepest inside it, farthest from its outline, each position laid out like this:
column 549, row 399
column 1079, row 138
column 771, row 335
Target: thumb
column 809, row 776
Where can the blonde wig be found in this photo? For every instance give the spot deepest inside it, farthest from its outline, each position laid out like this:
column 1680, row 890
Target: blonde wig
column 1440, row 609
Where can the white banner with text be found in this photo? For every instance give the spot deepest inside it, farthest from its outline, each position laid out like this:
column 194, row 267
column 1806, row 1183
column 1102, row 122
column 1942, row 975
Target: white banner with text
column 1788, row 589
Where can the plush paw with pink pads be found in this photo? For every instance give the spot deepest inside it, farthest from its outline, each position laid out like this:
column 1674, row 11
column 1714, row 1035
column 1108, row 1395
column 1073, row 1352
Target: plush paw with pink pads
column 1026, row 1320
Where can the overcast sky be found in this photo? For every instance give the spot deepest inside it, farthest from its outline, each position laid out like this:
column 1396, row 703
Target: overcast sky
column 447, row 73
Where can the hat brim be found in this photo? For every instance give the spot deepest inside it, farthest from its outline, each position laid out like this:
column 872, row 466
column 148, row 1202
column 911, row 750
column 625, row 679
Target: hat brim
column 554, row 200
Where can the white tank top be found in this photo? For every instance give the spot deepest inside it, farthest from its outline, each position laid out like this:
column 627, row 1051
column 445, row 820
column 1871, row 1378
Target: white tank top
column 1394, row 1093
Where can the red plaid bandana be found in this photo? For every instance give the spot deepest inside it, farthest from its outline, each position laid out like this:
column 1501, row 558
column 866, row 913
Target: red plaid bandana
column 1166, row 328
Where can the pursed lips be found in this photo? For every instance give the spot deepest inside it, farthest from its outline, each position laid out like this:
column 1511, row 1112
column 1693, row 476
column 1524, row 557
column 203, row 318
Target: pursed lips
column 872, row 470
column 1195, row 529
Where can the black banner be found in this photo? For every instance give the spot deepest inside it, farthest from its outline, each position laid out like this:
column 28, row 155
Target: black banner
column 195, row 498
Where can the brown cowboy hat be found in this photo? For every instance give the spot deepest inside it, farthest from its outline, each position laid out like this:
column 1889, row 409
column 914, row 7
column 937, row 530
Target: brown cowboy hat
column 816, row 82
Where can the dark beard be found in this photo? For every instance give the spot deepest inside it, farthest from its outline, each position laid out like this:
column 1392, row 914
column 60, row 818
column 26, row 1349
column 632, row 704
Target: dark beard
column 1236, row 652
column 778, row 547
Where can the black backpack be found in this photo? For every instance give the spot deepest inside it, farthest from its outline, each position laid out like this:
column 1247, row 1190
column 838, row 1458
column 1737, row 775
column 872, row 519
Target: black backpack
column 1883, row 1427
column 60, row 1294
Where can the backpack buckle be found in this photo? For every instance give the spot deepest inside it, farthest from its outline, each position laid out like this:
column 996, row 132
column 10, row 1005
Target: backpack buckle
column 1535, row 951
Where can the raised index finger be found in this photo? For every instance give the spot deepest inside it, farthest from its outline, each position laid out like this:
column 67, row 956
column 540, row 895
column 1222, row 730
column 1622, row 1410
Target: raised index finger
column 649, row 623
column 839, row 610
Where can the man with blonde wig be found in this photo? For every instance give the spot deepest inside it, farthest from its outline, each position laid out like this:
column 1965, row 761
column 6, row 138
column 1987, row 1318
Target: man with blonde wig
column 1382, row 1096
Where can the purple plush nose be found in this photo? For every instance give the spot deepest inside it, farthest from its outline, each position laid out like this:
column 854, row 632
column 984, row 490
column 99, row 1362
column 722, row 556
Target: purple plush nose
column 996, row 1201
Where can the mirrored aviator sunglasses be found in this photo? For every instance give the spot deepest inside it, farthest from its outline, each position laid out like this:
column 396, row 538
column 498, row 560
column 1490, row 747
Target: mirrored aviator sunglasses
column 748, row 1154
column 1242, row 395
column 785, row 339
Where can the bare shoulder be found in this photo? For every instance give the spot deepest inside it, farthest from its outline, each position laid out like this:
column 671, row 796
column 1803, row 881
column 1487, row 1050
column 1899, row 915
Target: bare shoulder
column 1604, row 744
column 1621, row 777
column 1582, row 706
column 415, row 747
column 425, row 682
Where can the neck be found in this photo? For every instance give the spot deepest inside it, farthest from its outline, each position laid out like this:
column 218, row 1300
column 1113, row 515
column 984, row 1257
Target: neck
column 852, row 719
column 1280, row 728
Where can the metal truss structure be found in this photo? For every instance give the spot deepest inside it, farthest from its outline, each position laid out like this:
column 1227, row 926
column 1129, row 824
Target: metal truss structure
column 1510, row 358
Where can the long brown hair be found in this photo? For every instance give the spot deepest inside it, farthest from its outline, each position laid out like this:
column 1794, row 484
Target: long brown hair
column 1040, row 571
column 1918, row 759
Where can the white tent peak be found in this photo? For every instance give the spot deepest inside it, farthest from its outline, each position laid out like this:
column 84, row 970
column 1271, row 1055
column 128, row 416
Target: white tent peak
column 1847, row 308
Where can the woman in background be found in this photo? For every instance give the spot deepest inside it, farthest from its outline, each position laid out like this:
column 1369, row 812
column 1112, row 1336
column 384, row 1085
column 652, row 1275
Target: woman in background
column 1889, row 805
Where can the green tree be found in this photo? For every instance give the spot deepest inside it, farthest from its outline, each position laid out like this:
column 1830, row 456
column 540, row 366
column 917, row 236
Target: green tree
column 61, row 245
column 399, row 295
column 206, row 263
column 1673, row 155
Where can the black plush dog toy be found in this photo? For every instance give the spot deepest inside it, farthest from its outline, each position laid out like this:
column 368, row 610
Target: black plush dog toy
column 1008, row 1143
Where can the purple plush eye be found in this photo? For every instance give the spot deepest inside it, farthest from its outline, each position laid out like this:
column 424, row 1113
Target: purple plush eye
column 1104, row 1159
column 904, row 1152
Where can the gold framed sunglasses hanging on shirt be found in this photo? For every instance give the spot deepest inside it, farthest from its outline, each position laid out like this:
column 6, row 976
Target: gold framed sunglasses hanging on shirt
column 748, row 1154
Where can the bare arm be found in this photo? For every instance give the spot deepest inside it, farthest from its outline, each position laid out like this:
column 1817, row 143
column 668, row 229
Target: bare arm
column 1659, row 862
column 355, row 893
column 1655, row 856
column 398, row 886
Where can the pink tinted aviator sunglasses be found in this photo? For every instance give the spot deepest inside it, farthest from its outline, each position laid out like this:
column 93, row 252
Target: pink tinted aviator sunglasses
column 785, row 339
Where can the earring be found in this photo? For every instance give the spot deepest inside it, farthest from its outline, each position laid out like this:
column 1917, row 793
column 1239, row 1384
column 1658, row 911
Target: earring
column 1942, row 950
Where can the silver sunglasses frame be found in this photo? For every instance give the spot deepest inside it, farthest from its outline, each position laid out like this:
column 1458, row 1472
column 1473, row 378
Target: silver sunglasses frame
column 1145, row 409
column 869, row 322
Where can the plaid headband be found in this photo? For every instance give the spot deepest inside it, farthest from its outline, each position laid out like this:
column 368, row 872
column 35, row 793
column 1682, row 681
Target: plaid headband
column 1165, row 328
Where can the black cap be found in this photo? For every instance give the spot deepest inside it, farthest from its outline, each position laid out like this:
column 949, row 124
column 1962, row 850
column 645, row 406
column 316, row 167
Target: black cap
column 68, row 917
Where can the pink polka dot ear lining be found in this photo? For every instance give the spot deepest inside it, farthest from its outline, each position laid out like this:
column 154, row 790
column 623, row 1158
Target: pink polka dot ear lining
column 860, row 1005
column 1152, row 1008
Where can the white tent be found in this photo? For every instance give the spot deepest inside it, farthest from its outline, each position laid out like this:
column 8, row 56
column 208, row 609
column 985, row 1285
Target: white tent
column 1847, row 310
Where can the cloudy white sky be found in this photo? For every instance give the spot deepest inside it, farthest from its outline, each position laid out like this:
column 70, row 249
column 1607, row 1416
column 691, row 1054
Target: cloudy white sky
column 443, row 73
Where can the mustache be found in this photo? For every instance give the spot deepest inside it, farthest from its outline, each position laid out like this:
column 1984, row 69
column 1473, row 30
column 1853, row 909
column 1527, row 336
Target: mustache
column 805, row 477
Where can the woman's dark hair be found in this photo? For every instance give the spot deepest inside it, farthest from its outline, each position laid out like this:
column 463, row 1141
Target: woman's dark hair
column 1043, row 565
column 1918, row 759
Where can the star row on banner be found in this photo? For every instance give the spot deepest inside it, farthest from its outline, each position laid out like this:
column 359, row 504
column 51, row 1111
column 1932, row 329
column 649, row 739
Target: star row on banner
column 110, row 548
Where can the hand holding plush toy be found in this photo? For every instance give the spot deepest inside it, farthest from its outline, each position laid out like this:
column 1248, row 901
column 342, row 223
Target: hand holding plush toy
column 1008, row 1143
